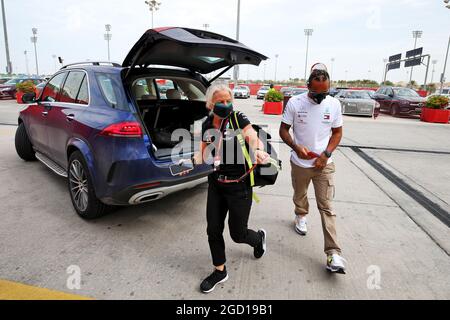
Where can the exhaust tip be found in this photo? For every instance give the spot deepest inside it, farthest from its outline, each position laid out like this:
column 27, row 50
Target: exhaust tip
column 147, row 198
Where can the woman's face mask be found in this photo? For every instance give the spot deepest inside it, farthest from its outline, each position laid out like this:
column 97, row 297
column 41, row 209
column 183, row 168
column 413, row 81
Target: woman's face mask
column 223, row 110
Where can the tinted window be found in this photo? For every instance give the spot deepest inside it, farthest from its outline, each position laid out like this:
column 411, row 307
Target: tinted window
column 51, row 90
column 169, row 89
column 406, row 92
column 12, row 81
column 72, row 86
column 112, row 90
column 355, row 95
column 164, row 85
column 83, row 94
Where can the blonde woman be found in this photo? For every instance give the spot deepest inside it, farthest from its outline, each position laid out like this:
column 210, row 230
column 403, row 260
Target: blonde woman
column 229, row 190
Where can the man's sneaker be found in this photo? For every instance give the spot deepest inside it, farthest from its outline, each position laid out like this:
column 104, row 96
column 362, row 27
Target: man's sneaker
column 260, row 249
column 335, row 263
column 300, row 225
column 213, row 280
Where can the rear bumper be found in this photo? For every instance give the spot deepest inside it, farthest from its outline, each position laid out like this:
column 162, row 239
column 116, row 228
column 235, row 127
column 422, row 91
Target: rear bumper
column 132, row 196
column 158, row 193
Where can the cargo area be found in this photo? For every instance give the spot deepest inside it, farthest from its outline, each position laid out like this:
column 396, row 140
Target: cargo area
column 166, row 105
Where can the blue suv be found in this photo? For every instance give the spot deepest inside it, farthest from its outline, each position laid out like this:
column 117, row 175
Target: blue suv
column 109, row 128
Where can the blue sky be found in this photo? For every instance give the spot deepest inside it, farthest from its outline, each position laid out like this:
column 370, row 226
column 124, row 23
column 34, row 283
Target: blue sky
column 357, row 34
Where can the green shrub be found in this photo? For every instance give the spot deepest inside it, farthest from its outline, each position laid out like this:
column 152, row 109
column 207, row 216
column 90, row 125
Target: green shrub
column 273, row 96
column 26, row 87
column 437, row 102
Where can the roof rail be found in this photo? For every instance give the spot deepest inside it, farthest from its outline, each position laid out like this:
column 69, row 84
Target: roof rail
column 94, row 63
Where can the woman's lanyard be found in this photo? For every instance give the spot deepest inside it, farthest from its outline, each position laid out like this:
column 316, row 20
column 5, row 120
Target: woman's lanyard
column 219, row 147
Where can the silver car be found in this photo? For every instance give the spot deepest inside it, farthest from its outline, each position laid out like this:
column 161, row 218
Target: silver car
column 357, row 102
column 241, row 92
column 262, row 92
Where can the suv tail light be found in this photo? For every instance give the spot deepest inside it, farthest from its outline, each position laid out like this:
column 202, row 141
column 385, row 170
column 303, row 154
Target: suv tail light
column 123, row 129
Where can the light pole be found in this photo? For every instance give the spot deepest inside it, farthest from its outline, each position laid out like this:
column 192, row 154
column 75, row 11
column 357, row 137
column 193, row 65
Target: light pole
column 276, row 63
column 416, row 34
column 445, row 64
column 5, row 32
column 308, row 33
column 290, row 68
column 331, row 71
column 34, row 40
column 153, row 6
column 26, row 62
column 346, row 79
column 108, row 37
column 236, row 68
column 433, row 62
column 206, row 26
column 384, row 70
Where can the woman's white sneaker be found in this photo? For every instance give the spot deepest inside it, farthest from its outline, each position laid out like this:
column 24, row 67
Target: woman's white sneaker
column 300, row 225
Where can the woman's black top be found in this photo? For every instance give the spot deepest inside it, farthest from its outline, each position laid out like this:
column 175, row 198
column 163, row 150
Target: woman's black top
column 232, row 162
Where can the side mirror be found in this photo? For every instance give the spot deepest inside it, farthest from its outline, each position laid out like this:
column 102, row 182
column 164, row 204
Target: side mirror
column 29, row 97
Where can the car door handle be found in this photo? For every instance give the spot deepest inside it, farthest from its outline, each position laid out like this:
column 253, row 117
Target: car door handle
column 70, row 117
column 44, row 113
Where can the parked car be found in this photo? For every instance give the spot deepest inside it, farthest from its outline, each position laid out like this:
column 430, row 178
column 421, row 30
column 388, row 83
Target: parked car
column 335, row 91
column 399, row 101
column 297, row 91
column 371, row 93
column 106, row 129
column 8, row 89
column 287, row 91
column 437, row 94
column 262, row 92
column 445, row 90
column 241, row 92
column 3, row 80
column 357, row 102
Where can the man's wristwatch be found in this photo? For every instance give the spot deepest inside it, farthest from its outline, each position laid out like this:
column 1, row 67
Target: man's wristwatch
column 327, row 154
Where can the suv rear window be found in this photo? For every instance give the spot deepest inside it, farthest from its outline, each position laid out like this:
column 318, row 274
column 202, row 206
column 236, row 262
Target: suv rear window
column 175, row 88
column 111, row 87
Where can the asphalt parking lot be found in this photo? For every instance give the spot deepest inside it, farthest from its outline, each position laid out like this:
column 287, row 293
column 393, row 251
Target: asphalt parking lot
column 392, row 201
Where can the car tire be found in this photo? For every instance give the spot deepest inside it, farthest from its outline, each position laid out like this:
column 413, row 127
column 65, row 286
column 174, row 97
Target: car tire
column 81, row 189
column 394, row 110
column 24, row 148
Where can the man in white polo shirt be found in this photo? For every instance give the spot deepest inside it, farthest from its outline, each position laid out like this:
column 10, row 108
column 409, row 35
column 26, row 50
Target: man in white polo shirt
column 316, row 121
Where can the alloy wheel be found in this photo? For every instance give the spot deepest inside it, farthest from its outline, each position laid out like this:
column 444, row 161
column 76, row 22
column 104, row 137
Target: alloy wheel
column 78, row 185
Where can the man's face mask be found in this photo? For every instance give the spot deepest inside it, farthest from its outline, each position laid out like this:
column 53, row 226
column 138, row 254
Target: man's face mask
column 318, row 97
column 223, row 110
column 318, row 91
